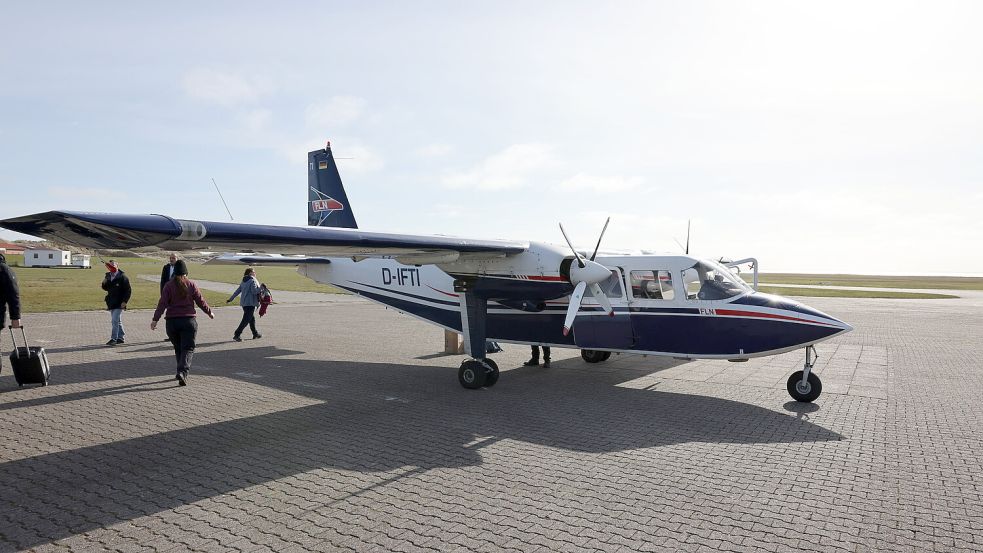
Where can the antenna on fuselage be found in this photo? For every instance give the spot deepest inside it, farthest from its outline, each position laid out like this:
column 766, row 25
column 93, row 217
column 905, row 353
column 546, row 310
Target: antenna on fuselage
column 231, row 218
column 688, row 221
column 678, row 243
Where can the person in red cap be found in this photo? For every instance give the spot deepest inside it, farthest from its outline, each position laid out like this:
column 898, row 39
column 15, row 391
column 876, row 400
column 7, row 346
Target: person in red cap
column 178, row 300
column 118, row 291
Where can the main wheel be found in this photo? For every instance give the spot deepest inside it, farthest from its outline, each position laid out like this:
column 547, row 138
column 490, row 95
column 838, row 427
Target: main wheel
column 594, row 356
column 607, row 355
column 491, row 375
column 472, row 374
column 807, row 392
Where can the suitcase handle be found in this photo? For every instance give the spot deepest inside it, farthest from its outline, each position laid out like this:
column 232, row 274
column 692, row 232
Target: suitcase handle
column 24, row 333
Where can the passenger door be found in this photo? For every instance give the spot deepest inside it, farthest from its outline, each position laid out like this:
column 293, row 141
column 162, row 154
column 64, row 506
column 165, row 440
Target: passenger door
column 594, row 329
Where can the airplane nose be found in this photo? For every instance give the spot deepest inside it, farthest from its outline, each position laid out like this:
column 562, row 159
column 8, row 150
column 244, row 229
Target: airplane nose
column 802, row 308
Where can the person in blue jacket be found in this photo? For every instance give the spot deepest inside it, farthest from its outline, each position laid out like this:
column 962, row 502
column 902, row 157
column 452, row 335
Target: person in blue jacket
column 248, row 292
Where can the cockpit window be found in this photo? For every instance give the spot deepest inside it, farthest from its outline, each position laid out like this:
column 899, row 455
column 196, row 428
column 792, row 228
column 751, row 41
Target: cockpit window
column 708, row 280
column 612, row 285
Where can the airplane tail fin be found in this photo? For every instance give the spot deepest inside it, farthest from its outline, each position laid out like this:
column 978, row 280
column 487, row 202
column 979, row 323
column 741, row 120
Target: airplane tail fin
column 327, row 203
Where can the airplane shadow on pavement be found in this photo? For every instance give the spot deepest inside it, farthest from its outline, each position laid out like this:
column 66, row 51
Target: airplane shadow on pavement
column 369, row 418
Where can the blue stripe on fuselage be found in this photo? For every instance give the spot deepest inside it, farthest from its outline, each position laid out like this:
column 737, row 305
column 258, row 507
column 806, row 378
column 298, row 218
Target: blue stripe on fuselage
column 678, row 331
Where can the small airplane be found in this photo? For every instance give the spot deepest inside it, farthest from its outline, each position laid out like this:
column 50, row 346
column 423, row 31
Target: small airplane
column 508, row 291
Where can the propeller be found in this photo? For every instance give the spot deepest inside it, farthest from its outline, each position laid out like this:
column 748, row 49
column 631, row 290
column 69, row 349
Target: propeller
column 586, row 274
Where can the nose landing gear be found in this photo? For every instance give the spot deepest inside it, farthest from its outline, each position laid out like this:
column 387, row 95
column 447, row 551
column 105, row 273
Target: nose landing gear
column 804, row 385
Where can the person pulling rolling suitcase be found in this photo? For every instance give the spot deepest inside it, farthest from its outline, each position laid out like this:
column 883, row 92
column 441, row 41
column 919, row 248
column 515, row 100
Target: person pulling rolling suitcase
column 30, row 363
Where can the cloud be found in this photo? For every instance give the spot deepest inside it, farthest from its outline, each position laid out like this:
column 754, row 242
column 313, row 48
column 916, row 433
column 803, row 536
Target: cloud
column 514, row 167
column 224, row 89
column 84, row 193
column 594, row 183
column 256, row 121
column 334, row 112
column 434, row 150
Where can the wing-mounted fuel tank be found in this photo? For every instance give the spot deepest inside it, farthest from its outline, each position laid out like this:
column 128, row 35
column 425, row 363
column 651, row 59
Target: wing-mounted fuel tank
column 524, row 279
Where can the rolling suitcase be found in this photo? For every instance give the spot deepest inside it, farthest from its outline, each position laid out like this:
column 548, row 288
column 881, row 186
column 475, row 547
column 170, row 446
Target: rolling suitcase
column 30, row 364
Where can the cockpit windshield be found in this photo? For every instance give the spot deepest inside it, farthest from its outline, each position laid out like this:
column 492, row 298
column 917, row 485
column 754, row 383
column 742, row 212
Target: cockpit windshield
column 709, row 280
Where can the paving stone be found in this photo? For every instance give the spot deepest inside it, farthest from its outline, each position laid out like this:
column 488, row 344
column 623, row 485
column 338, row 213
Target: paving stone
column 342, row 429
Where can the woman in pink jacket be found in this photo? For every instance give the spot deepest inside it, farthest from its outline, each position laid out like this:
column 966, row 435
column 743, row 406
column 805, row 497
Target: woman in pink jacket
column 178, row 300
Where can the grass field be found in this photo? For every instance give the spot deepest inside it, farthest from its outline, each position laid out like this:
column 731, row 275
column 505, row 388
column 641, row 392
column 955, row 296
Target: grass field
column 940, row 283
column 825, row 293
column 45, row 290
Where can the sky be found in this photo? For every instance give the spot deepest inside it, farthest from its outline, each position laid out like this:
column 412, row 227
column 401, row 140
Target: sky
column 832, row 137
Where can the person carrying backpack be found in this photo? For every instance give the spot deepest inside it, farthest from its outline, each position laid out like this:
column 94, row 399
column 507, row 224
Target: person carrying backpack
column 248, row 292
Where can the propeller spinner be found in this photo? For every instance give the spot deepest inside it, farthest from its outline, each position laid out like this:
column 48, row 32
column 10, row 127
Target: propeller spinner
column 586, row 274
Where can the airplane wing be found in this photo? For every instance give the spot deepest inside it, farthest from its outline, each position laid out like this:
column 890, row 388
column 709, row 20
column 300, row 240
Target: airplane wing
column 119, row 231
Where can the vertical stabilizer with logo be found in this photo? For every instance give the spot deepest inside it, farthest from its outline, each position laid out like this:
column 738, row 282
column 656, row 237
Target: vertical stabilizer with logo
column 327, row 203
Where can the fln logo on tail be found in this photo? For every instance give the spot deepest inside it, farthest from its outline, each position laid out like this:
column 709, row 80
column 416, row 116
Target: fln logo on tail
column 327, row 202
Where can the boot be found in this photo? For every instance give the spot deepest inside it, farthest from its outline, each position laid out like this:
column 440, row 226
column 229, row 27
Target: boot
column 546, row 363
column 531, row 363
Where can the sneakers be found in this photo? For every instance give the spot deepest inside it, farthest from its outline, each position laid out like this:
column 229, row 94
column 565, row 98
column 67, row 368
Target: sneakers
column 257, row 336
column 120, row 341
column 182, row 378
column 237, row 339
column 111, row 343
column 532, row 363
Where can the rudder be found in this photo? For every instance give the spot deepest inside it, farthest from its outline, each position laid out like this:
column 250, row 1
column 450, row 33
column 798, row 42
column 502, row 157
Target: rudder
column 327, row 203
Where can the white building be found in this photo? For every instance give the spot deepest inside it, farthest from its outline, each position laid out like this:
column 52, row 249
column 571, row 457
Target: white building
column 47, row 258
column 81, row 261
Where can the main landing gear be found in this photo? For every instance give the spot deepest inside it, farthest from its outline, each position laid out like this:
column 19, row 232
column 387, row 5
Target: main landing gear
column 594, row 356
column 804, row 385
column 478, row 373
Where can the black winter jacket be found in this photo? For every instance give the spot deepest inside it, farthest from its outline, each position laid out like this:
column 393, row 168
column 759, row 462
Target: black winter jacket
column 117, row 290
column 9, row 293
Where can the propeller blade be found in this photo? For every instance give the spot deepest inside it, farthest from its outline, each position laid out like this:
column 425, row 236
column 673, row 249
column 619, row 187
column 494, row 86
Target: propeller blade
column 602, row 299
column 575, row 254
column 598, row 246
column 575, row 298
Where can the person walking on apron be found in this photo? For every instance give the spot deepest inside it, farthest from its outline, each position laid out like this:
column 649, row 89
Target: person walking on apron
column 177, row 304
column 248, row 292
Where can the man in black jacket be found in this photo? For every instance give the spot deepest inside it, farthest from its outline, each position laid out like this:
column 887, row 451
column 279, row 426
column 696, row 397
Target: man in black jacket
column 9, row 295
column 167, row 273
column 117, row 287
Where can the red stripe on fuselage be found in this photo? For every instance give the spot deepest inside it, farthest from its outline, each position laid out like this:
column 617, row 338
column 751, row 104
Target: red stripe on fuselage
column 736, row 313
column 442, row 292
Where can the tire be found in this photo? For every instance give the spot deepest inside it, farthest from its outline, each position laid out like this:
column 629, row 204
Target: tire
column 806, row 394
column 472, row 374
column 491, row 376
column 594, row 356
column 607, row 355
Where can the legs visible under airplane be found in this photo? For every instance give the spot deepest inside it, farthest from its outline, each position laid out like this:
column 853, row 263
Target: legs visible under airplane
column 478, row 371
column 805, row 385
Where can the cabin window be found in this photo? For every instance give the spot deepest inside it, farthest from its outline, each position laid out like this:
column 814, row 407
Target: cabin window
column 652, row 285
column 35, row 256
column 51, row 256
column 708, row 280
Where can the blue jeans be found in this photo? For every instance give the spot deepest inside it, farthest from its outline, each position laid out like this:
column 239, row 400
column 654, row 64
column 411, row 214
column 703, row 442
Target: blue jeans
column 117, row 320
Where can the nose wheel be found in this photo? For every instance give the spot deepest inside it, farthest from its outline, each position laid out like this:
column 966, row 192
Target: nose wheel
column 805, row 385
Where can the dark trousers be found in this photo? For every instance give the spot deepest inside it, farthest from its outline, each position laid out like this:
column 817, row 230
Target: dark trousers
column 535, row 353
column 248, row 318
column 181, row 331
